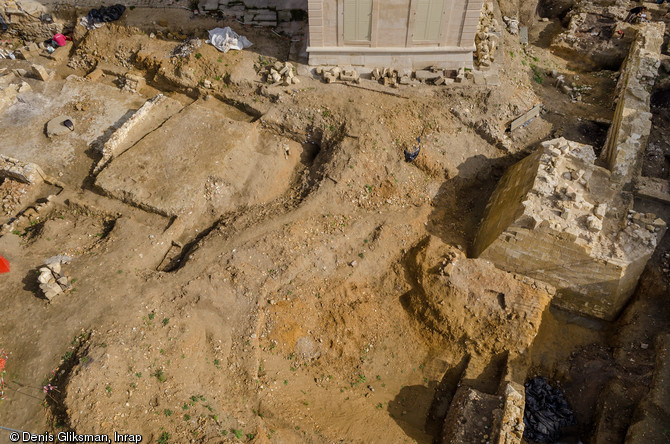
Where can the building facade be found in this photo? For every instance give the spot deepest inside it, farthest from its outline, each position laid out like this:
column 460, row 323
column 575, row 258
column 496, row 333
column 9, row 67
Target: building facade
column 399, row 33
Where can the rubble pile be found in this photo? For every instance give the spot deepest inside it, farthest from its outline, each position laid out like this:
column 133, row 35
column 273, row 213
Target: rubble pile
column 336, row 73
column 186, row 48
column 133, row 82
column 546, row 412
column 279, row 73
column 486, row 39
column 11, row 191
column 512, row 25
column 28, row 216
column 52, row 279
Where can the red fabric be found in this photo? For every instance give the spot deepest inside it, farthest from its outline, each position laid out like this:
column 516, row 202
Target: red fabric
column 4, row 265
column 59, row 39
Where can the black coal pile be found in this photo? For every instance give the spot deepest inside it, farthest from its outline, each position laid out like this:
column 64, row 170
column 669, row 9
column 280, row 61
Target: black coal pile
column 546, row 413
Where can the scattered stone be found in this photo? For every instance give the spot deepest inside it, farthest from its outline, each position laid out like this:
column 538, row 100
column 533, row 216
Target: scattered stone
column 279, row 73
column 186, row 48
column 342, row 74
column 52, row 280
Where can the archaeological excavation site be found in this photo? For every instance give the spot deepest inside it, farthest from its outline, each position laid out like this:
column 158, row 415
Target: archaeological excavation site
column 335, row 221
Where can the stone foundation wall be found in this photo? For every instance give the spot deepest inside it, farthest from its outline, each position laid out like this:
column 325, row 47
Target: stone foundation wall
column 631, row 125
column 249, row 12
column 558, row 218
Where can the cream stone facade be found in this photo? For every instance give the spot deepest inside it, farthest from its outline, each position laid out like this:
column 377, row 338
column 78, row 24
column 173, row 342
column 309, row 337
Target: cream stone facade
column 399, row 33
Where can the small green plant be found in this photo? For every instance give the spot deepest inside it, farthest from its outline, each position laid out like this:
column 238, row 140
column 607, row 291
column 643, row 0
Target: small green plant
column 160, row 375
column 166, row 321
column 164, row 438
column 238, row 433
column 185, row 407
column 187, row 417
column 151, row 315
column 198, row 55
column 168, row 412
column 325, row 114
column 538, row 76
column 108, row 388
column 17, row 232
column 138, row 374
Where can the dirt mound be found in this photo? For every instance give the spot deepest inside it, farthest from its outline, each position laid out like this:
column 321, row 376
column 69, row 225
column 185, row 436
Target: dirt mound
column 472, row 303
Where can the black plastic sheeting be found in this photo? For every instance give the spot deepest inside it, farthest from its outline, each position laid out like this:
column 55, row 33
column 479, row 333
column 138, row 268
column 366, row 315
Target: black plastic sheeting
column 546, row 412
column 105, row 14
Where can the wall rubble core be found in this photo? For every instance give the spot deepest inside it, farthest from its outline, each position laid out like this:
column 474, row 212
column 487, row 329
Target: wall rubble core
column 557, row 217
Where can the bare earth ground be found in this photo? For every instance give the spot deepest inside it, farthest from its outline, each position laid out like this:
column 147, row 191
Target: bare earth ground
column 283, row 320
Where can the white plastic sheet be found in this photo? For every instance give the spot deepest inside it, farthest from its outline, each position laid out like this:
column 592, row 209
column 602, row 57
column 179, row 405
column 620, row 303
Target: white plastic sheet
column 225, row 39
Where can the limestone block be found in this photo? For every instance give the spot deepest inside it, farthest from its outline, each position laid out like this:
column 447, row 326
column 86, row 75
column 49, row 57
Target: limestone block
column 593, row 261
column 25, row 172
column 40, row 72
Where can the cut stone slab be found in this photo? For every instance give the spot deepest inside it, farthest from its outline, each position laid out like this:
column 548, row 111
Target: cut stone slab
column 199, row 160
column 40, row 72
column 55, row 126
column 425, row 74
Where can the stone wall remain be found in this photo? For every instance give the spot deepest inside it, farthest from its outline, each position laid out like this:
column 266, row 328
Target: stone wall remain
column 631, row 125
column 249, row 12
column 557, row 217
